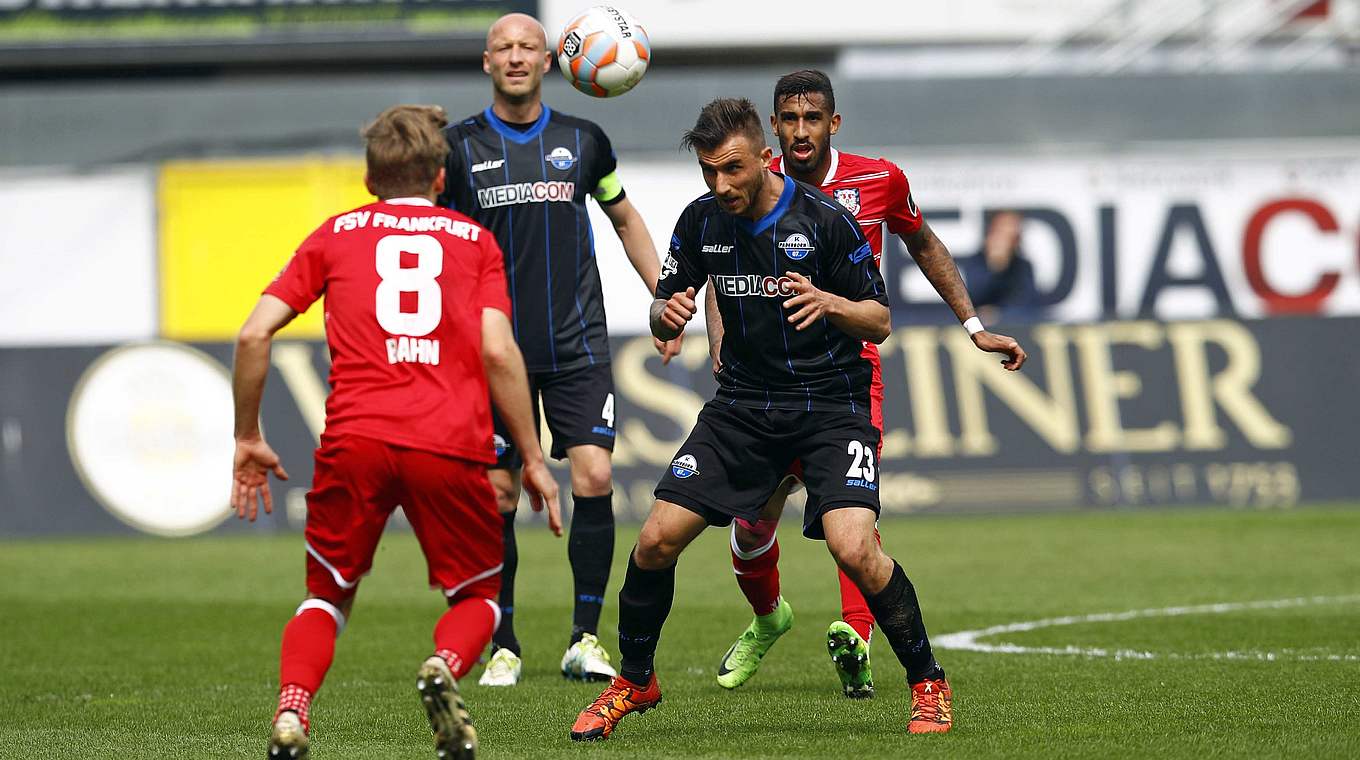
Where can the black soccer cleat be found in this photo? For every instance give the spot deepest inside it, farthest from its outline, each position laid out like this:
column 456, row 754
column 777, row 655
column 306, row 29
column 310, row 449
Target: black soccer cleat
column 454, row 736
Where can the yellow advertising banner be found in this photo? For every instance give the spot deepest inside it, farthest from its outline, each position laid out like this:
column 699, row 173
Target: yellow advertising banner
column 228, row 227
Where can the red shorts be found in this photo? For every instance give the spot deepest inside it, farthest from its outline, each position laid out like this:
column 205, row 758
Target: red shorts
column 448, row 501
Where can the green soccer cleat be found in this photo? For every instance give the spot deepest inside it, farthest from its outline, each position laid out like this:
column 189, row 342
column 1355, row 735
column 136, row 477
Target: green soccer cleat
column 850, row 656
column 743, row 658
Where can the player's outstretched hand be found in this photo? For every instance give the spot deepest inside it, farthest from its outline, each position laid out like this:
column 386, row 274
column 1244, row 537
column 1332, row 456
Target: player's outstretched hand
column 669, row 349
column 542, row 489
column 250, row 469
column 1001, row 344
column 808, row 304
column 680, row 309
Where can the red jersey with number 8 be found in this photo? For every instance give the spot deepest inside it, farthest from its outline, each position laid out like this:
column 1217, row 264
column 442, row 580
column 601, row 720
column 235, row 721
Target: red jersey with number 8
column 405, row 283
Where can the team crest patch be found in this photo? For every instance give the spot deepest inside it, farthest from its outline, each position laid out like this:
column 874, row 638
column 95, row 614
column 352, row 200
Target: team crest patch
column 560, row 158
column 500, row 443
column 684, row 467
column 848, row 197
column 796, row 246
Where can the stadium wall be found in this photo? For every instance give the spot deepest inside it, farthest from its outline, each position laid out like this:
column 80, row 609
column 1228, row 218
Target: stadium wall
column 1250, row 414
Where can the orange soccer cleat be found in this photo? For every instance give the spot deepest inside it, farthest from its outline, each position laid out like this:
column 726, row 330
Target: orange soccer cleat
column 932, row 707
column 618, row 699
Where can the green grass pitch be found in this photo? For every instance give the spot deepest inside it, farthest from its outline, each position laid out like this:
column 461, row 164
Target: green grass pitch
column 145, row 648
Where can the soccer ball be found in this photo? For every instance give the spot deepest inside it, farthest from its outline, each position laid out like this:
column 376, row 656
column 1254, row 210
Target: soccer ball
column 603, row 52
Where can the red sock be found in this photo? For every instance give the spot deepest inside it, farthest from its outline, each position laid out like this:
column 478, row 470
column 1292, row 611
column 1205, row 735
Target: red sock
column 758, row 575
column 464, row 631
column 854, row 609
column 306, row 654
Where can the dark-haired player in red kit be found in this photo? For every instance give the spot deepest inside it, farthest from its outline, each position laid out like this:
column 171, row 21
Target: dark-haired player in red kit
column 416, row 320
column 877, row 193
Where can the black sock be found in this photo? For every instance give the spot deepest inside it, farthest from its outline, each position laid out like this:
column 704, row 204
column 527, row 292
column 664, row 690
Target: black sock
column 504, row 637
column 898, row 614
column 644, row 603
column 590, row 548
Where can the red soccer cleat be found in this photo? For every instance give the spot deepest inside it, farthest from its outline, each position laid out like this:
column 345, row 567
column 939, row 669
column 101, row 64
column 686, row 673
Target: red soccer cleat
column 932, row 707
column 618, row 699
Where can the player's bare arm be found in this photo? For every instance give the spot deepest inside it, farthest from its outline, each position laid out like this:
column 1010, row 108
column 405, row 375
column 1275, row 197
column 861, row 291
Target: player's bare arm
column 713, row 319
column 938, row 266
column 254, row 459
column 641, row 252
column 509, row 386
column 867, row 320
column 669, row 316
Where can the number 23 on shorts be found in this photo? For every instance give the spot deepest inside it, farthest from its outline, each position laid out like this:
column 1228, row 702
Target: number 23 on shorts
column 862, row 466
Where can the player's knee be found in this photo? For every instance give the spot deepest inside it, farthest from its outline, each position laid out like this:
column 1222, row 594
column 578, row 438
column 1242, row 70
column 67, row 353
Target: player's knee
column 507, row 497
column 592, row 478
column 654, row 551
column 858, row 557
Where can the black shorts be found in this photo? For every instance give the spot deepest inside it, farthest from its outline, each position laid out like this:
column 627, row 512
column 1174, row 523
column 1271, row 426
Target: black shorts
column 579, row 405
column 735, row 457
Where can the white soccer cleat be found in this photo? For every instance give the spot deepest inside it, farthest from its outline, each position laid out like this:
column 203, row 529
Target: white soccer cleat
column 587, row 660
column 503, row 670
column 289, row 740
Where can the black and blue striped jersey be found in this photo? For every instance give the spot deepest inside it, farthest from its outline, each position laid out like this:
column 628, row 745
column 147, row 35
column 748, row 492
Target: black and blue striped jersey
column 766, row 363
column 528, row 185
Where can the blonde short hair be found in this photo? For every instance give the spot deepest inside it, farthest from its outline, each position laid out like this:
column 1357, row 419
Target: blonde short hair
column 405, row 150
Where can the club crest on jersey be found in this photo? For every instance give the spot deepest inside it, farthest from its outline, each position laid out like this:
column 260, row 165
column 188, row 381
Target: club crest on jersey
column 500, row 443
column 796, row 246
column 560, row 158
column 684, row 467
column 848, row 197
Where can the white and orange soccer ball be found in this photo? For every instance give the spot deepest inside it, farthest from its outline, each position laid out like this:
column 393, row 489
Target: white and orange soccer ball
column 604, row 51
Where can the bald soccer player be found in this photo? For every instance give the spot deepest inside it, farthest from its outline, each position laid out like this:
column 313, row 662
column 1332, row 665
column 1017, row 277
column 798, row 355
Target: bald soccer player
column 524, row 171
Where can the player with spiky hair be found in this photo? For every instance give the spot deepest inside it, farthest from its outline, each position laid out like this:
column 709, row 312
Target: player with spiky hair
column 525, row 171
column 421, row 347
column 877, row 193
column 797, row 294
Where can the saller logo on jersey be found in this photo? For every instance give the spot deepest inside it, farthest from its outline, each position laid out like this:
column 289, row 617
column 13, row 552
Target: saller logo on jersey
column 526, row 192
column 796, row 246
column 718, row 248
column 684, row 467
column 741, row 285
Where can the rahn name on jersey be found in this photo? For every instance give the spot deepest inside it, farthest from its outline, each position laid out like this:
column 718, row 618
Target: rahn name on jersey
column 404, row 350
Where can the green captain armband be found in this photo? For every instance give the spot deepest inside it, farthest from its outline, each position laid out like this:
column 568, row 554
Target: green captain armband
column 610, row 189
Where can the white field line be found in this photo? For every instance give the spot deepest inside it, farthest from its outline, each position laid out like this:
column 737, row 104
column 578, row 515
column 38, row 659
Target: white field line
column 969, row 640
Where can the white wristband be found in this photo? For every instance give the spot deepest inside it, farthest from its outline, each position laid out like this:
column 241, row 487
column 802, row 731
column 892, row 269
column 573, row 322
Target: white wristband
column 973, row 325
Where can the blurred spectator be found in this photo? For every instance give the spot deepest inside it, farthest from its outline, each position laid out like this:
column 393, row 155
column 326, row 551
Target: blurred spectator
column 1000, row 280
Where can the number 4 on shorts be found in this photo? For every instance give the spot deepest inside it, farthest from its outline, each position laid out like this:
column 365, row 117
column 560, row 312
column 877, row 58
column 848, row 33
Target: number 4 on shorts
column 607, row 413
